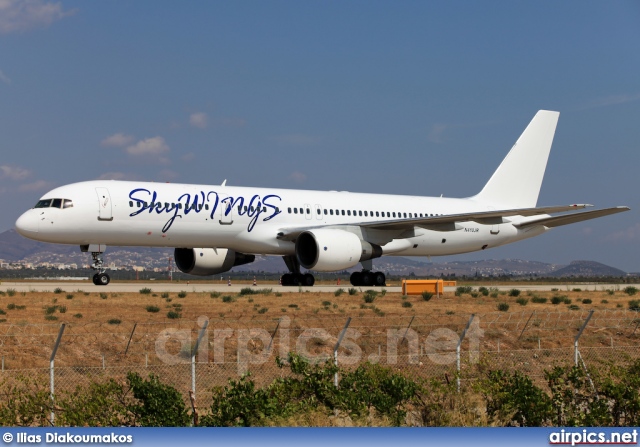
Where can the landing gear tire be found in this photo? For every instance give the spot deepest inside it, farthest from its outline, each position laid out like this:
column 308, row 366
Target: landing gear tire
column 379, row 279
column 297, row 279
column 308, row 280
column 101, row 279
column 367, row 279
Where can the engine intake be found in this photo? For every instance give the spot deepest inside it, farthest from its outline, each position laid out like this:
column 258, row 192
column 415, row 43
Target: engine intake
column 209, row 261
column 330, row 250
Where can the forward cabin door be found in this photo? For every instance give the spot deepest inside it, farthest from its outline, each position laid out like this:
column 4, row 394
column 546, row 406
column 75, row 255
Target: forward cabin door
column 105, row 211
column 226, row 211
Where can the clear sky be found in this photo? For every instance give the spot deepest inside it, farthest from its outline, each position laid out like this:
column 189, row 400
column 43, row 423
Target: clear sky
column 420, row 98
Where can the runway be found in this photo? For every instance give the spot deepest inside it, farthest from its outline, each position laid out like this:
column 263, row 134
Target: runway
column 201, row 287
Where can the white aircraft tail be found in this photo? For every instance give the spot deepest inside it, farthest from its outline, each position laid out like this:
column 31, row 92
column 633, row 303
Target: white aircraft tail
column 516, row 183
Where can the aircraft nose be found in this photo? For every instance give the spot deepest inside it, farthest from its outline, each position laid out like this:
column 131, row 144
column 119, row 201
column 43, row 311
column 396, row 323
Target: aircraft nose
column 27, row 224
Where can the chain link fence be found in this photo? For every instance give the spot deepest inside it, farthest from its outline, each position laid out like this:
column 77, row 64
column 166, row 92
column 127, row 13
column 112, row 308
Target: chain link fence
column 419, row 346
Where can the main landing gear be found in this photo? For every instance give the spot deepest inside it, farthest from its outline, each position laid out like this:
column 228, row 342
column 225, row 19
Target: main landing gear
column 295, row 278
column 100, row 278
column 367, row 278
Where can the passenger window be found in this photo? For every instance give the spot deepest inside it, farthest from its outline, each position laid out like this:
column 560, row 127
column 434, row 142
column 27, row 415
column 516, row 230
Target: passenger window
column 206, row 206
column 360, row 213
column 289, row 210
column 343, row 212
column 377, row 213
column 348, row 212
column 331, row 212
column 69, row 203
column 308, row 211
column 295, row 211
column 139, row 205
column 394, row 214
column 131, row 203
column 325, row 212
column 318, row 210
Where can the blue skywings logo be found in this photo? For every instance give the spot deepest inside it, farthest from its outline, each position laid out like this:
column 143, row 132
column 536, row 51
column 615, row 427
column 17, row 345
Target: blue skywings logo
column 209, row 202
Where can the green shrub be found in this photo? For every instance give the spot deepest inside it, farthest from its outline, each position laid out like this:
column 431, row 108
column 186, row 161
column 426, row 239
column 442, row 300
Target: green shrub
column 3, row 312
column 114, row 321
column 574, row 307
column 426, row 295
column 158, row 405
column 69, row 296
column 353, row 291
column 182, row 294
column 483, row 290
column 634, row 305
column 10, row 306
column 586, row 301
column 153, row 309
column 503, row 307
column 247, row 291
column 173, row 315
column 50, row 317
column 407, row 304
column 228, row 299
column 514, row 292
column 11, row 292
column 630, row 290
column 215, row 294
column 605, row 301
column 557, row 299
column 57, row 290
column 263, row 310
column 522, row 301
column 77, row 315
column 103, row 296
column 370, row 296
column 461, row 290
column 538, row 299
column 294, row 306
column 338, row 292
column 50, row 310
column 62, row 309
column 145, row 291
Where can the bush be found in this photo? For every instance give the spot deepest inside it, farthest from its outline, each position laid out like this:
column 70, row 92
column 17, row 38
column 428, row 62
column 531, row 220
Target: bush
column 370, row 296
column 538, row 299
column 153, row 309
column 557, row 299
column 182, row 294
column 11, row 292
column 461, row 290
column 3, row 312
column 228, row 299
column 586, row 301
column 263, row 310
column 77, row 315
column 338, row 292
column 426, row 295
column 103, row 296
column 503, row 307
column 173, row 315
column 214, row 294
column 145, row 291
column 158, row 405
column 50, row 317
column 634, row 305
column 69, row 296
column 353, row 291
column 574, row 307
column 407, row 304
column 514, row 292
column 57, row 290
column 522, row 301
column 247, row 291
column 114, row 321
column 10, row 306
column 483, row 290
column 630, row 290
column 164, row 295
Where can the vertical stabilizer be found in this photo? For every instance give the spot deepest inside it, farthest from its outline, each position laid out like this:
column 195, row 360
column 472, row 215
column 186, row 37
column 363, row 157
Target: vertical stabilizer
column 516, row 183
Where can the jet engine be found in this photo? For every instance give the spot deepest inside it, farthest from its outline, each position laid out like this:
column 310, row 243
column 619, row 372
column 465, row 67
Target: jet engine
column 329, row 250
column 209, row 261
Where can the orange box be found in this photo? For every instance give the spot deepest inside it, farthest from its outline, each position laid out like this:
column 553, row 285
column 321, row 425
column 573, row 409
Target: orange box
column 417, row 286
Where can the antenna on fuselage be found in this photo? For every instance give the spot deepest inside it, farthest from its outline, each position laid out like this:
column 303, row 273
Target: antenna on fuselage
column 224, row 183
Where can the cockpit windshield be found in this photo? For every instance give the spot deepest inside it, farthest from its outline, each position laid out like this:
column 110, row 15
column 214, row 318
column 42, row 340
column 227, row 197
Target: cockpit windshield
column 54, row 203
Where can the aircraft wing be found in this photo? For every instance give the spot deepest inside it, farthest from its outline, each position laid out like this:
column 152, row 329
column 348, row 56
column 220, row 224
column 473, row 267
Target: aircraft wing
column 557, row 221
column 449, row 222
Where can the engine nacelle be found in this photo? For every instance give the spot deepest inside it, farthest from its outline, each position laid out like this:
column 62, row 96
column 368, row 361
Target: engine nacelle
column 330, row 250
column 209, row 261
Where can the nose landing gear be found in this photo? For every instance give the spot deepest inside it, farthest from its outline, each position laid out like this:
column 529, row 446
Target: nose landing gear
column 100, row 278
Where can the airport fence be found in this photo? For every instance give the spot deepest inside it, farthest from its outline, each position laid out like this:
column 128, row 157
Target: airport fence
column 199, row 355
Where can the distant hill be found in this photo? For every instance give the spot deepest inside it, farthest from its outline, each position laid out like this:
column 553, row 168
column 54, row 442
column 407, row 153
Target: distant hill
column 15, row 248
column 587, row 269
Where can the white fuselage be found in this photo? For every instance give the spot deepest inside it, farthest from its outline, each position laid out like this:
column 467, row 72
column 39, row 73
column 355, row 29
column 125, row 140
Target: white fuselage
column 248, row 220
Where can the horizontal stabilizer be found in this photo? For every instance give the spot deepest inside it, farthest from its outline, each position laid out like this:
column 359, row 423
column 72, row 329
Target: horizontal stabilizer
column 558, row 221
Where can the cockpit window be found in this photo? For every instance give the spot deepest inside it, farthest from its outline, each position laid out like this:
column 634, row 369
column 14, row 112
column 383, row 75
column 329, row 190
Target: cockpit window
column 56, row 203
column 43, row 203
column 67, row 203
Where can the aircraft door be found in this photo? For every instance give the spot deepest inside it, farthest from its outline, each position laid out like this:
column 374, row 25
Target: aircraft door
column 318, row 212
column 105, row 211
column 226, row 211
column 307, row 211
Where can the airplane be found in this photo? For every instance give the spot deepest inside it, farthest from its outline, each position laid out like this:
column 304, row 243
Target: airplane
column 214, row 228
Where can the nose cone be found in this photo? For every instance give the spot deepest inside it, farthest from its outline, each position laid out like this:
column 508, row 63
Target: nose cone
column 27, row 224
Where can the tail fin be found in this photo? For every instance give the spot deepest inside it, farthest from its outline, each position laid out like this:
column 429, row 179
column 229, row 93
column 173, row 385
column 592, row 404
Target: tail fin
column 516, row 183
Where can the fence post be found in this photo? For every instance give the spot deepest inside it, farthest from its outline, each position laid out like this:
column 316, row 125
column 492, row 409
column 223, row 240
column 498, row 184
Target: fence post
column 458, row 350
column 51, row 378
column 193, row 356
column 130, row 337
column 335, row 349
column 575, row 342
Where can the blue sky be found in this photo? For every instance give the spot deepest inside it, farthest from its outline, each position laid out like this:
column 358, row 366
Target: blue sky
column 421, row 98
